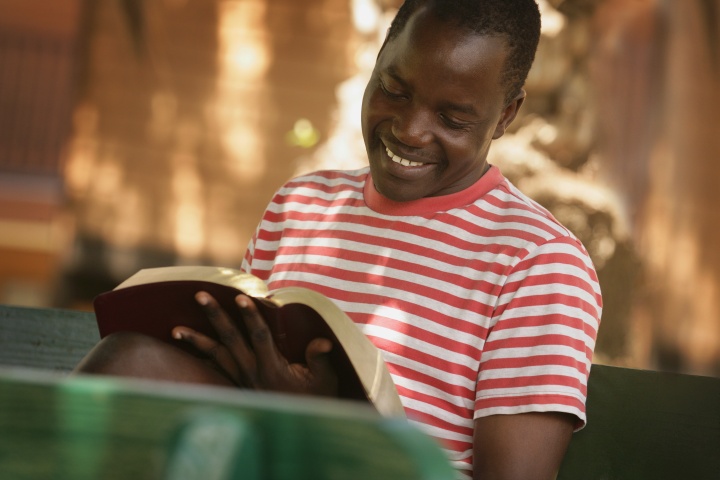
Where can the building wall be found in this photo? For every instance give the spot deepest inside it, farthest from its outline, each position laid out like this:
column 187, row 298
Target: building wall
column 38, row 42
column 188, row 114
column 183, row 126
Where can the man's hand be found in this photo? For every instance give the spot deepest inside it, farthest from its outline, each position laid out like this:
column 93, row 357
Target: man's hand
column 257, row 364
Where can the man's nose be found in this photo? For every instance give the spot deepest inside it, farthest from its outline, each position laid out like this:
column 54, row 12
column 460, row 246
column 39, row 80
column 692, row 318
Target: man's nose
column 413, row 127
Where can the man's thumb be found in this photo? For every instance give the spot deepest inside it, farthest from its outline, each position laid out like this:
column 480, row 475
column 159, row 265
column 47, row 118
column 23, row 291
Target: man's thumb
column 320, row 365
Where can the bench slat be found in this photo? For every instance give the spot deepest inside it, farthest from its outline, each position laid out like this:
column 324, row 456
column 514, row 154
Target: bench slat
column 47, row 338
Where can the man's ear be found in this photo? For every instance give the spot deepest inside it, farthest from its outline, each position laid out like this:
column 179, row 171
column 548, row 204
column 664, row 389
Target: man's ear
column 509, row 113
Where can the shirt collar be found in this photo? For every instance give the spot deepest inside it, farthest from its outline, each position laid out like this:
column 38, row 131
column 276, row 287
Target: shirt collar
column 381, row 204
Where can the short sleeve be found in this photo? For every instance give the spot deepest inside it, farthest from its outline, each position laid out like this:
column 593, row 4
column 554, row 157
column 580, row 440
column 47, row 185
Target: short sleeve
column 538, row 352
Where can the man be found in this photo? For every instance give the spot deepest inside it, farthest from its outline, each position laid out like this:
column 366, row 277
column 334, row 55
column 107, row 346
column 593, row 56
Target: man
column 486, row 309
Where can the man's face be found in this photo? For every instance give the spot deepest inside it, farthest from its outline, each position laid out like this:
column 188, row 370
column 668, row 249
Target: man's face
column 431, row 108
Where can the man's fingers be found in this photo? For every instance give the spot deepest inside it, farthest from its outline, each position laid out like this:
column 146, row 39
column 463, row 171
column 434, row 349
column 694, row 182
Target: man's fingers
column 228, row 332
column 217, row 316
column 230, row 336
column 260, row 335
column 214, row 350
column 320, row 366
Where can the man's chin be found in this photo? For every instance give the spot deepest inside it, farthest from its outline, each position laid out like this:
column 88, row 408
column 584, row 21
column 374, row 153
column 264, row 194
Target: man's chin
column 395, row 188
column 397, row 193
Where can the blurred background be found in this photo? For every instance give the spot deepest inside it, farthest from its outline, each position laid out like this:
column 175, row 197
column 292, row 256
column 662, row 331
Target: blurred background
column 140, row 133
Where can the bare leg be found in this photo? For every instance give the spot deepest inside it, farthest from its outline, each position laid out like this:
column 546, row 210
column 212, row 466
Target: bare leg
column 135, row 355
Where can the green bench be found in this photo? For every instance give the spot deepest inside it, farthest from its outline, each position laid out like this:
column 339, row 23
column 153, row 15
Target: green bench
column 79, row 428
column 645, row 425
column 642, row 424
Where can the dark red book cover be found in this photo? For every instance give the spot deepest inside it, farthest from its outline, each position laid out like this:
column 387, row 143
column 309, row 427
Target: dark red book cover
column 156, row 308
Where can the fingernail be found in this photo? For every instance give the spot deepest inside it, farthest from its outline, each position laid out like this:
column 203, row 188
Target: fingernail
column 202, row 298
column 177, row 336
column 242, row 301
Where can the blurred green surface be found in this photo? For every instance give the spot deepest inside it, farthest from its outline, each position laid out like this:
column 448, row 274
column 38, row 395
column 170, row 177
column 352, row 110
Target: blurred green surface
column 94, row 427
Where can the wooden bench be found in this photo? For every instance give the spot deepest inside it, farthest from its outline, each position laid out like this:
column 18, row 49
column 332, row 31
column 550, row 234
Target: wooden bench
column 642, row 424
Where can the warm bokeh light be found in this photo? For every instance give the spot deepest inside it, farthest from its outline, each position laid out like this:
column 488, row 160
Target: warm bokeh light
column 243, row 57
column 303, row 134
column 184, row 128
column 82, row 151
column 188, row 206
column 344, row 148
column 553, row 21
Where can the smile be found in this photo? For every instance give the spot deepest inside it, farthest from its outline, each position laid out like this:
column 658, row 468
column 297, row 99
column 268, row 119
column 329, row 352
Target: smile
column 402, row 161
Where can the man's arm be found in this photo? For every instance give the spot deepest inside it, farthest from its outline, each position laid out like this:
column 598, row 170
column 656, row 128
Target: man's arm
column 525, row 446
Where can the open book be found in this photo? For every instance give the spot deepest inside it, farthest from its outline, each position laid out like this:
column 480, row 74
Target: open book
column 155, row 300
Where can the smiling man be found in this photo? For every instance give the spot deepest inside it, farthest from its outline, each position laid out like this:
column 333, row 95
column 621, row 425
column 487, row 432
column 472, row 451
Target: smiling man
column 486, row 308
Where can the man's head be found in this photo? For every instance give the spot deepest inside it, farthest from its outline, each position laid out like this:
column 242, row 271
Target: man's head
column 441, row 91
column 517, row 21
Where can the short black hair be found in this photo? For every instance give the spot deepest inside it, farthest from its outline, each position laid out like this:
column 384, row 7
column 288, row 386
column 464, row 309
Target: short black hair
column 517, row 21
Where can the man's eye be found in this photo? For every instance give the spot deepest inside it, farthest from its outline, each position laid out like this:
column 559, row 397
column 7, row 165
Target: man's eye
column 390, row 94
column 452, row 124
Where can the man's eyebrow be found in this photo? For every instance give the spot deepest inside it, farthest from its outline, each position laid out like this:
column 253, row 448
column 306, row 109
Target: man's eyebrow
column 461, row 108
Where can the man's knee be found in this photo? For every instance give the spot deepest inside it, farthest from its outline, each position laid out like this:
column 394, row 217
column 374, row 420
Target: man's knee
column 135, row 355
column 118, row 353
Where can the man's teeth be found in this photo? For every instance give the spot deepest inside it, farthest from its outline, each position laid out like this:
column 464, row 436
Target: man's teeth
column 402, row 161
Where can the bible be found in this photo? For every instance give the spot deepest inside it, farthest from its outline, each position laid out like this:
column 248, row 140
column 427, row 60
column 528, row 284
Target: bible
column 155, row 300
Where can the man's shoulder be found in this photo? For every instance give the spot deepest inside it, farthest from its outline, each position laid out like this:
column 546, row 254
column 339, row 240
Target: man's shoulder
column 323, row 186
column 330, row 178
column 510, row 205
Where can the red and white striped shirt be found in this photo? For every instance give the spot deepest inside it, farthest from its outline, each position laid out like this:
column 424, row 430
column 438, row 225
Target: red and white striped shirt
column 481, row 302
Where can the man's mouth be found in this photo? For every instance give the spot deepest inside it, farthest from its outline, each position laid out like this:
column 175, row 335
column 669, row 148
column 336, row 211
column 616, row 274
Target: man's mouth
column 402, row 161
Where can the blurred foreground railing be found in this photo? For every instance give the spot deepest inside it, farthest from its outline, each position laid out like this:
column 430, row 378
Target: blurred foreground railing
column 642, row 424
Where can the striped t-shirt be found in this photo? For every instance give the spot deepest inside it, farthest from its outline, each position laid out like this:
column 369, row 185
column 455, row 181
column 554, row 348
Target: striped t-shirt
column 481, row 302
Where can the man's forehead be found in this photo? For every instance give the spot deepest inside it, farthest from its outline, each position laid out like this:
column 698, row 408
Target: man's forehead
column 425, row 31
column 455, row 50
